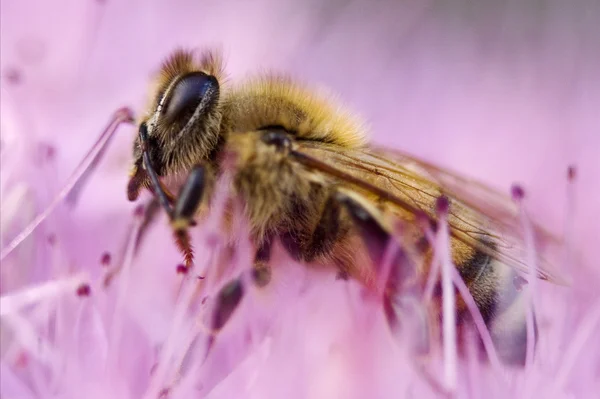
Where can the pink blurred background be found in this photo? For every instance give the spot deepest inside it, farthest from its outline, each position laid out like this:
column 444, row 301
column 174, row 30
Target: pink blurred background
column 500, row 91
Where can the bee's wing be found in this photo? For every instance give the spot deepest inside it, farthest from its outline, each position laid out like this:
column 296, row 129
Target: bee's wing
column 480, row 217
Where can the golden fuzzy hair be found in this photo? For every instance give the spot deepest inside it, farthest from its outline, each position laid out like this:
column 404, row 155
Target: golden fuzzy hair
column 277, row 100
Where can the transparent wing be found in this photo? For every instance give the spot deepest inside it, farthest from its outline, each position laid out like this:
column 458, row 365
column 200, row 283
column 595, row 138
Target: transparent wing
column 404, row 185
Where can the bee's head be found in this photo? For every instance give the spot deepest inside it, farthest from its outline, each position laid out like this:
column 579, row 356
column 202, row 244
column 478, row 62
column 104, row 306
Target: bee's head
column 183, row 119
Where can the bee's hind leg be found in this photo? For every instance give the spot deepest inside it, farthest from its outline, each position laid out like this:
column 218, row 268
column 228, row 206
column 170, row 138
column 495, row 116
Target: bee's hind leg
column 323, row 236
column 401, row 289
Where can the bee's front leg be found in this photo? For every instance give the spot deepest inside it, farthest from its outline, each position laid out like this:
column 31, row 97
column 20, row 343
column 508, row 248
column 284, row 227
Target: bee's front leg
column 186, row 205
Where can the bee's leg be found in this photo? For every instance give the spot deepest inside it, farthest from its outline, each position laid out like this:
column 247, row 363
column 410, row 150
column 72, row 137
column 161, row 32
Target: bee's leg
column 231, row 295
column 327, row 232
column 261, row 272
column 186, row 205
column 139, row 180
column 333, row 224
column 187, row 201
column 139, row 177
column 324, row 235
column 227, row 301
column 401, row 291
column 375, row 237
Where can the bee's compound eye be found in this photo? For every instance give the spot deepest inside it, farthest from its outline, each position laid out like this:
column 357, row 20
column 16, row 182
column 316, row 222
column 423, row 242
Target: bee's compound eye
column 277, row 138
column 189, row 92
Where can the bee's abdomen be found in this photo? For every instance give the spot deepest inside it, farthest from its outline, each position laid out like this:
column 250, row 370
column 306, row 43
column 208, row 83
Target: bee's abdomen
column 507, row 321
column 501, row 304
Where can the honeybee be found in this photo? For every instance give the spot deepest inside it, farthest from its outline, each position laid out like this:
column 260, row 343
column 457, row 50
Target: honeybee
column 309, row 179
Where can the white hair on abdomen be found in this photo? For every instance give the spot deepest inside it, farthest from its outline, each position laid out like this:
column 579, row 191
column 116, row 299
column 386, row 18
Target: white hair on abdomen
column 508, row 326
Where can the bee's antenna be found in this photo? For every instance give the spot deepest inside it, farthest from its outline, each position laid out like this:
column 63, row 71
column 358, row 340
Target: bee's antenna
column 123, row 115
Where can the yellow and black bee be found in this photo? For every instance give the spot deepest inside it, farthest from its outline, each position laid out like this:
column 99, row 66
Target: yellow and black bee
column 308, row 178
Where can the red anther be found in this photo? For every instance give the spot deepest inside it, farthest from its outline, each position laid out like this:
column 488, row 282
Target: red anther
column 571, row 172
column 49, row 151
column 46, row 152
column 13, row 76
column 51, row 239
column 22, row 360
column 182, row 269
column 105, row 259
column 517, row 192
column 84, row 290
column 125, row 114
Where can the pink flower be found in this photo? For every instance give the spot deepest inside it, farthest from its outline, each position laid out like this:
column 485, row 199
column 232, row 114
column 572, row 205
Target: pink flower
column 499, row 93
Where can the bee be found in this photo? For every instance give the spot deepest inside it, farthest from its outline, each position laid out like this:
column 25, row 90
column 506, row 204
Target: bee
column 309, row 179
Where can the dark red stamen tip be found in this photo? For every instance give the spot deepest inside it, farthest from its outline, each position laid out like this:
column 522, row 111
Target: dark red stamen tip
column 442, row 205
column 13, row 76
column 571, row 172
column 201, row 277
column 46, row 153
column 182, row 269
column 50, row 151
column 519, row 282
column 517, row 192
column 22, row 359
column 105, row 259
column 51, row 239
column 125, row 114
column 84, row 290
